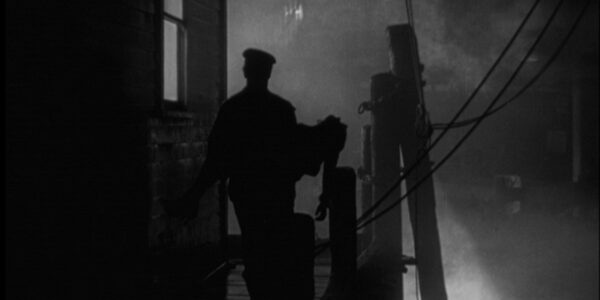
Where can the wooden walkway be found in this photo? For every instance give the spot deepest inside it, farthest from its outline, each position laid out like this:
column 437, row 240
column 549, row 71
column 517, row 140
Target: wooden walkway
column 236, row 287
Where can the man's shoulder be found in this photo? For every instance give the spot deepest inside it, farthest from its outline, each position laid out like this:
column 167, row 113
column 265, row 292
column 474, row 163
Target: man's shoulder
column 281, row 102
column 235, row 99
column 232, row 104
column 243, row 98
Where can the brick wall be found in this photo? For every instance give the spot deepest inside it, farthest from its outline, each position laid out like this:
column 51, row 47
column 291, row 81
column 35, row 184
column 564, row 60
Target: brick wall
column 184, row 252
column 87, row 154
column 177, row 150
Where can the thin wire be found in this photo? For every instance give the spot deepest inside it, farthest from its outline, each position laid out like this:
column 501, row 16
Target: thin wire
column 523, row 89
column 457, row 115
column 478, row 122
column 513, row 98
column 409, row 12
column 548, row 63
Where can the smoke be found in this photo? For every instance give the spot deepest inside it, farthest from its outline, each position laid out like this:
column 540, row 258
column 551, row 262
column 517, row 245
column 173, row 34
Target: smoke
column 326, row 53
column 545, row 249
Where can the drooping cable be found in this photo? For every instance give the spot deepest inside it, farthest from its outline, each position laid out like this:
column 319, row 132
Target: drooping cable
column 456, row 116
column 488, row 109
column 409, row 12
column 519, row 92
column 325, row 245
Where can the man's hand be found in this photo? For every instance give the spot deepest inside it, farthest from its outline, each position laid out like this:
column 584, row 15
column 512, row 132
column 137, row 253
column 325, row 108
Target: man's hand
column 321, row 212
column 334, row 134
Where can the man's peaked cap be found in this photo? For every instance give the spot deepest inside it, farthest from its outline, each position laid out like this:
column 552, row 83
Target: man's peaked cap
column 258, row 57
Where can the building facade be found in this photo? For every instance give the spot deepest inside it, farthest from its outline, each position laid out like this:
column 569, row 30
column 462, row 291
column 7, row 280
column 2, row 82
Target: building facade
column 109, row 104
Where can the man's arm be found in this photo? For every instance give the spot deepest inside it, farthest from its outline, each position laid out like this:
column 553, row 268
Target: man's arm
column 333, row 136
column 317, row 144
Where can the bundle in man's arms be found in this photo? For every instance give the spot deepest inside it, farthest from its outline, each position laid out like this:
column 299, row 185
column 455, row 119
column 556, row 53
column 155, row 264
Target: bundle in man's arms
column 312, row 146
column 317, row 143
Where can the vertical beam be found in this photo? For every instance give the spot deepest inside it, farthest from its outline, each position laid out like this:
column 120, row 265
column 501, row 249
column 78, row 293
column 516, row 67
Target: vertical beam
column 342, row 234
column 223, row 196
column 576, row 127
column 366, row 183
column 382, row 266
column 223, row 34
column 387, row 234
column 222, row 89
column 158, row 56
column 407, row 68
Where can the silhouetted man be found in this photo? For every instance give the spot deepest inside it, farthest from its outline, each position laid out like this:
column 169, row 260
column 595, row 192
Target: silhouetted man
column 257, row 144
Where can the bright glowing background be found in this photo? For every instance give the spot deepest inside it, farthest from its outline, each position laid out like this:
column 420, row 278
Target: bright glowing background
column 325, row 56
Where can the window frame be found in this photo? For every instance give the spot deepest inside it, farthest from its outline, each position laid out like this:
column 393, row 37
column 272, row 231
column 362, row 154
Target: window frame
column 182, row 53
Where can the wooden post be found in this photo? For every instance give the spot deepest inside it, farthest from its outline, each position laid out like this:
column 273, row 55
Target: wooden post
column 407, row 69
column 386, row 160
column 396, row 97
column 381, row 266
column 342, row 234
column 366, row 176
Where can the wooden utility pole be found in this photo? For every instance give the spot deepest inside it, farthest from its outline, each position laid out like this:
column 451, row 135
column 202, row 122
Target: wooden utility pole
column 407, row 68
column 399, row 140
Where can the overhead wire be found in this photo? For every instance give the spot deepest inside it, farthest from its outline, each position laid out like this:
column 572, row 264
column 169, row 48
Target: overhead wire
column 457, row 115
column 510, row 100
column 530, row 51
column 461, row 141
column 409, row 12
column 519, row 93
column 322, row 247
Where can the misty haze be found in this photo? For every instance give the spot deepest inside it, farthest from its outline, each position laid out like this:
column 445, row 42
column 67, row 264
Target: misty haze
column 535, row 240
column 302, row 149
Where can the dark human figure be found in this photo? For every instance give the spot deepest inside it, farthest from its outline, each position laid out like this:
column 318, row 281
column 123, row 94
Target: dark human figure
column 258, row 146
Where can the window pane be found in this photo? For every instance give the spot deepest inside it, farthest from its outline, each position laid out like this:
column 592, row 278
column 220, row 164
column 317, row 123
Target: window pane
column 170, row 71
column 174, row 8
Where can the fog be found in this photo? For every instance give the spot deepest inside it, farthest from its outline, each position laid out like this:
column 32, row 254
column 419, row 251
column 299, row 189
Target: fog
column 540, row 242
column 532, row 243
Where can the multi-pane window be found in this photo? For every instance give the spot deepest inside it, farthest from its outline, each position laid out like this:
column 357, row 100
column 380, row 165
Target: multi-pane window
column 174, row 51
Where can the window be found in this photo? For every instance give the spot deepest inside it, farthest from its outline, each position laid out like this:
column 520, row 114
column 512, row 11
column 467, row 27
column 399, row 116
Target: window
column 174, row 52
